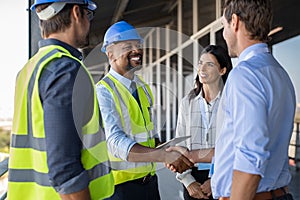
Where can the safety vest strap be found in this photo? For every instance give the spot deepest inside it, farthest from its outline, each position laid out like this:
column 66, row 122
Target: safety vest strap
column 109, row 86
column 27, row 141
column 91, row 140
column 147, row 90
column 121, row 107
column 124, row 165
column 30, row 175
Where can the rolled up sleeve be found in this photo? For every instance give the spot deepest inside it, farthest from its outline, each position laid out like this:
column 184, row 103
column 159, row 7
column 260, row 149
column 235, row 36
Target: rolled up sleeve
column 250, row 124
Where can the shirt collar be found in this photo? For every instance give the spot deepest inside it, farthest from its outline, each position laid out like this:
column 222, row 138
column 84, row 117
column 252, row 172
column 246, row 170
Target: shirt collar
column 125, row 81
column 201, row 96
column 73, row 51
column 253, row 48
column 217, row 97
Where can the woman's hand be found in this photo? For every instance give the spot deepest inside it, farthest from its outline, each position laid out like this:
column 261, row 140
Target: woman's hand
column 206, row 188
column 195, row 191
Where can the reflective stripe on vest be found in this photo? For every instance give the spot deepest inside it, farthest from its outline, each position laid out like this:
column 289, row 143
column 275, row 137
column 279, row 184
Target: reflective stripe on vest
column 28, row 170
column 137, row 123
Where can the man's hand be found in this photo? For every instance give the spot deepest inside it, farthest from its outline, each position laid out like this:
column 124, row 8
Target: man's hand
column 194, row 190
column 180, row 164
column 182, row 150
column 195, row 156
column 206, row 188
column 139, row 153
column 177, row 162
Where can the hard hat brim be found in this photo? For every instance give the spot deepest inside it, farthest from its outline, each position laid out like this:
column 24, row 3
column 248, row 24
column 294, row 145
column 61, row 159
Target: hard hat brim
column 103, row 48
column 90, row 4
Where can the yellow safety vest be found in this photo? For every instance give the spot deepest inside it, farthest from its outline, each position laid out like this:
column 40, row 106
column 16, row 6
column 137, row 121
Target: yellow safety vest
column 28, row 169
column 137, row 123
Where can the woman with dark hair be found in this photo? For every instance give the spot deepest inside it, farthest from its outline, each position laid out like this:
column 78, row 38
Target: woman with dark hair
column 197, row 117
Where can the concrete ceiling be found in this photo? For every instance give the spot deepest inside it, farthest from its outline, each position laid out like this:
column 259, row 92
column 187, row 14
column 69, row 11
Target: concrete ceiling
column 158, row 13
column 145, row 13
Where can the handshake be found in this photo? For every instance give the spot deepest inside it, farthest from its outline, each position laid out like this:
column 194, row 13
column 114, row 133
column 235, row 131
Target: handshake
column 179, row 159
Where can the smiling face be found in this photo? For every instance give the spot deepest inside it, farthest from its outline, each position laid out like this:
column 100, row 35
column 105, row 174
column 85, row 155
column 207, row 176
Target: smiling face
column 126, row 56
column 209, row 70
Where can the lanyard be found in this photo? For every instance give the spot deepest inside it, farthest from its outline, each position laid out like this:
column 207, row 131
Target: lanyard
column 206, row 120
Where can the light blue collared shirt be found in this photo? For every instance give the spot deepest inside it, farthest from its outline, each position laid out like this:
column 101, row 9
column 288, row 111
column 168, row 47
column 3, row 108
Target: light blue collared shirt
column 255, row 122
column 117, row 141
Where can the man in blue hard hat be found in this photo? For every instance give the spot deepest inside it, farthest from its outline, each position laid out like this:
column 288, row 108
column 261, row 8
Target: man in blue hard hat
column 58, row 150
column 126, row 104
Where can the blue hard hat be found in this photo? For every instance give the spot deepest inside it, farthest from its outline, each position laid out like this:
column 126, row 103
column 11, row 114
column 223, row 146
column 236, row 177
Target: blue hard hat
column 120, row 31
column 90, row 4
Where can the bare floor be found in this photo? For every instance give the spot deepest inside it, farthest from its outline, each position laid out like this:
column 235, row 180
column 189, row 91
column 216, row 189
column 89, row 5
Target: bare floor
column 171, row 189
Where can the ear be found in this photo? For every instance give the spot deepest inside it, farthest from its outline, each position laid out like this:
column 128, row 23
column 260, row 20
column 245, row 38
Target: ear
column 75, row 12
column 235, row 22
column 110, row 56
column 223, row 71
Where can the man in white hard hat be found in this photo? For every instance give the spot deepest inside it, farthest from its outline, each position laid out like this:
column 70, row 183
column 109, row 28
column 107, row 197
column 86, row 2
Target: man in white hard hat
column 126, row 104
column 58, row 150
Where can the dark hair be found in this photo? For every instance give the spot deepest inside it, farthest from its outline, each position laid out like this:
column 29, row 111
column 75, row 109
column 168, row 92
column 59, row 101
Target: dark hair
column 256, row 15
column 60, row 22
column 223, row 59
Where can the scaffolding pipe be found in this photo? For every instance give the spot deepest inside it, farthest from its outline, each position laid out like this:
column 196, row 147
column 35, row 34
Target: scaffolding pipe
column 174, row 109
column 158, row 85
column 180, row 52
column 218, row 9
column 168, row 87
column 194, row 37
column 195, row 43
column 150, row 48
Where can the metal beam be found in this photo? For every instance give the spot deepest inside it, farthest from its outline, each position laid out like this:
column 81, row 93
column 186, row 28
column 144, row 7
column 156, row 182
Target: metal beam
column 144, row 8
column 154, row 22
column 119, row 11
column 171, row 6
